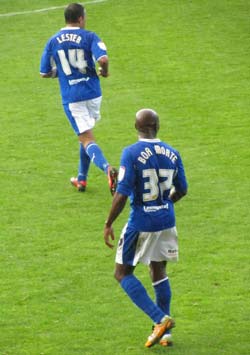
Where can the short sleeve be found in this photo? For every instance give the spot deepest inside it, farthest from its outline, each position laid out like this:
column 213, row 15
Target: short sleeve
column 45, row 66
column 180, row 181
column 126, row 177
column 98, row 47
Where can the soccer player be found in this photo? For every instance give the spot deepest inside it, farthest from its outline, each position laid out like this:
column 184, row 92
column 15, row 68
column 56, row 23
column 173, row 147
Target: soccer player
column 71, row 55
column 152, row 175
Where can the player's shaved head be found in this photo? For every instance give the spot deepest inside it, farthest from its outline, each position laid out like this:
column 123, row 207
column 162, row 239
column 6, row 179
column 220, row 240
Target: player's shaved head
column 147, row 123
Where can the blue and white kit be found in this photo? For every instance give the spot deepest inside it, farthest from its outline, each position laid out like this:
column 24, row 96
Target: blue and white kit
column 149, row 169
column 74, row 52
column 159, row 167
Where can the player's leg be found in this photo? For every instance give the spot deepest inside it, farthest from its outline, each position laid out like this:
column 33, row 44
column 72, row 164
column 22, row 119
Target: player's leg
column 80, row 182
column 137, row 292
column 161, row 285
column 139, row 296
column 84, row 163
column 163, row 293
column 82, row 116
column 93, row 107
column 92, row 115
column 97, row 157
column 131, row 246
column 165, row 250
column 93, row 150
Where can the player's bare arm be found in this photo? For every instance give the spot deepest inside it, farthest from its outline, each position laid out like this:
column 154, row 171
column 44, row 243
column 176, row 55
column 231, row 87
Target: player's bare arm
column 176, row 195
column 47, row 75
column 52, row 74
column 119, row 202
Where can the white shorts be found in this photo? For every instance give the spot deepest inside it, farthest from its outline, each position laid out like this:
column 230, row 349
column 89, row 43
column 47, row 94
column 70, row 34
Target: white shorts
column 83, row 114
column 144, row 247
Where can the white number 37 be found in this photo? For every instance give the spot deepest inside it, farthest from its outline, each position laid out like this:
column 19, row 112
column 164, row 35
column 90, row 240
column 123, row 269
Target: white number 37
column 152, row 184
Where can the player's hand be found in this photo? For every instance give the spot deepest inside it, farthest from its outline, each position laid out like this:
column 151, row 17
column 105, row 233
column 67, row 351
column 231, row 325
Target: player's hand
column 54, row 73
column 101, row 72
column 109, row 234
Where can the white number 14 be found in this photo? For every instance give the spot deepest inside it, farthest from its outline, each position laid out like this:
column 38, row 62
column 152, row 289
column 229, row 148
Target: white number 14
column 76, row 60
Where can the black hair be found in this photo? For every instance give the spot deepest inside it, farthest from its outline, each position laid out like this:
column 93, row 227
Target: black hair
column 73, row 12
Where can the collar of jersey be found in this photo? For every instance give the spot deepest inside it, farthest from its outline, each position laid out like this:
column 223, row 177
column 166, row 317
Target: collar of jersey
column 155, row 140
column 70, row 28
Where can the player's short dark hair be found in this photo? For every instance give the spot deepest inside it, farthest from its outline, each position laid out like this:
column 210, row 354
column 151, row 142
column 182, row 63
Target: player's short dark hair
column 73, row 12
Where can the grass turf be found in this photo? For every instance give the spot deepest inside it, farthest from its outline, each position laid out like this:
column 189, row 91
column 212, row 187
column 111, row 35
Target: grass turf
column 190, row 62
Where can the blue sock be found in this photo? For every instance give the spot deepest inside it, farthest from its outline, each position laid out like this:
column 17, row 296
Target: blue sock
column 83, row 164
column 163, row 296
column 96, row 156
column 138, row 294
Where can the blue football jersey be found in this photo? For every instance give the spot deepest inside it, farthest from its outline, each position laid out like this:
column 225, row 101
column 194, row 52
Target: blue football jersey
column 74, row 52
column 148, row 170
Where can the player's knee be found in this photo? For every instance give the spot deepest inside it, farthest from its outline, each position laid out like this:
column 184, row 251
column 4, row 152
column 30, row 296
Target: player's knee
column 122, row 271
column 118, row 275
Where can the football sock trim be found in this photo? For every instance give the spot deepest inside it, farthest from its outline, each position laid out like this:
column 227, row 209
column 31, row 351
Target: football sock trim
column 160, row 281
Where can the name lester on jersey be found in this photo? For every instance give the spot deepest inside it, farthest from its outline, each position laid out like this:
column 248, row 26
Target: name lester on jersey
column 147, row 153
column 69, row 37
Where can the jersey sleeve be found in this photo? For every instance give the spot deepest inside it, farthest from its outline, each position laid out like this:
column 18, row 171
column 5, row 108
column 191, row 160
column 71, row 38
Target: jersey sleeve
column 45, row 65
column 98, row 47
column 126, row 177
column 180, row 181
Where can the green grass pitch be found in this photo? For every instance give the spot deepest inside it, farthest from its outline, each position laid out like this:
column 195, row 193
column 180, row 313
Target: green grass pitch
column 188, row 60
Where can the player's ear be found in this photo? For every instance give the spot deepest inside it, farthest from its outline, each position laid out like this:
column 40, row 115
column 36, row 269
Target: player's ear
column 157, row 125
column 81, row 21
